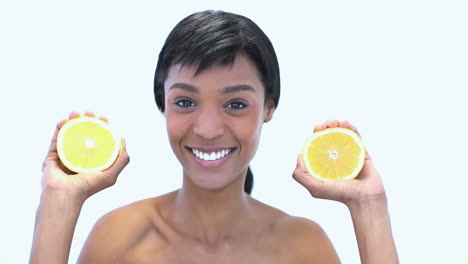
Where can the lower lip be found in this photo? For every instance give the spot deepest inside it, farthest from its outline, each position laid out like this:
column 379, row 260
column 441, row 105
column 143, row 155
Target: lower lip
column 212, row 163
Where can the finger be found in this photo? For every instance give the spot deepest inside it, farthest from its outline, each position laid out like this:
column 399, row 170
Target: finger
column 53, row 142
column 300, row 167
column 303, row 177
column 320, row 127
column 306, row 180
column 353, row 127
column 109, row 176
column 367, row 170
column 300, row 170
column 333, row 123
column 52, row 160
column 331, row 190
column 301, row 174
column 105, row 119
column 316, row 187
column 122, row 160
column 74, row 114
column 89, row 114
column 344, row 124
column 348, row 125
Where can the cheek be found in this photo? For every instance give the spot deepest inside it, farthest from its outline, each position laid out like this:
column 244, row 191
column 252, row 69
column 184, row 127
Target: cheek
column 176, row 128
column 250, row 129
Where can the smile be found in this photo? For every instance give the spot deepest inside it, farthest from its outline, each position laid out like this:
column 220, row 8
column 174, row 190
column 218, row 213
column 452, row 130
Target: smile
column 210, row 156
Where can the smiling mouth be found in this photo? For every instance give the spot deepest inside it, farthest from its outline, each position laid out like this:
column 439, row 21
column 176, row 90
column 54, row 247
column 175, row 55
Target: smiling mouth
column 213, row 155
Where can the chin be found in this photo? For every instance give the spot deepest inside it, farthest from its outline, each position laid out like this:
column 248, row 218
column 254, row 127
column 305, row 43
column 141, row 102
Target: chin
column 210, row 181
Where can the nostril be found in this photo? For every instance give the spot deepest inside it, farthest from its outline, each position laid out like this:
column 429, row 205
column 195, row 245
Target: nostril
column 210, row 128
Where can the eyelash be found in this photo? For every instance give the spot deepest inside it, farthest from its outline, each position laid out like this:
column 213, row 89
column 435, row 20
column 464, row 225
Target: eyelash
column 235, row 105
column 183, row 103
column 239, row 105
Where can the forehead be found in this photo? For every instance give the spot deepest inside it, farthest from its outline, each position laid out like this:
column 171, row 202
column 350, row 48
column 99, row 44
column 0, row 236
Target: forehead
column 242, row 71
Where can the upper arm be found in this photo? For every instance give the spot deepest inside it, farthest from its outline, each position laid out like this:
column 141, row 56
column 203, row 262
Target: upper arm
column 111, row 237
column 310, row 242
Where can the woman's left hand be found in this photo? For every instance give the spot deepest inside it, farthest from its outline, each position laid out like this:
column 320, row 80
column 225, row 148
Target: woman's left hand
column 366, row 186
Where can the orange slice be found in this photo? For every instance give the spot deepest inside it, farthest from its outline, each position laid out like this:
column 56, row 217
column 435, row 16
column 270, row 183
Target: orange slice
column 86, row 144
column 333, row 154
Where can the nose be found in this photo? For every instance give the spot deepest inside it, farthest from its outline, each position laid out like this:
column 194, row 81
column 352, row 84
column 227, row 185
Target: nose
column 209, row 124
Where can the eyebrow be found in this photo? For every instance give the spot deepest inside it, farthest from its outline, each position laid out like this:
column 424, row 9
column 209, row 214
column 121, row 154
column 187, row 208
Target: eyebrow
column 225, row 90
column 184, row 86
column 238, row 88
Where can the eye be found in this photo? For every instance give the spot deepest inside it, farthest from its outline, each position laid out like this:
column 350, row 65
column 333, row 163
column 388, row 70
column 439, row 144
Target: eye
column 236, row 105
column 184, row 103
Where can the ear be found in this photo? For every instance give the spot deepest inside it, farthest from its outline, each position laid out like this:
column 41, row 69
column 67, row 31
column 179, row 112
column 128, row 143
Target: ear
column 270, row 108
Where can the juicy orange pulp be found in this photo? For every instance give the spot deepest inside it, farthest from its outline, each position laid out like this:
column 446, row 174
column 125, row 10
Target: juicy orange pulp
column 334, row 153
column 86, row 144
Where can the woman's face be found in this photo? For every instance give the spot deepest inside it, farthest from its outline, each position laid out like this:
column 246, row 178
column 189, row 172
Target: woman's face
column 214, row 120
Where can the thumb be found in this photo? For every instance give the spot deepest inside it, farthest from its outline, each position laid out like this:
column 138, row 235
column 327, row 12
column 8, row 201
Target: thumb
column 302, row 176
column 51, row 158
column 122, row 160
column 109, row 176
column 316, row 187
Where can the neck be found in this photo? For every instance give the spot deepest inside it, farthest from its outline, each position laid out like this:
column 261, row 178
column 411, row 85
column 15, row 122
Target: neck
column 211, row 215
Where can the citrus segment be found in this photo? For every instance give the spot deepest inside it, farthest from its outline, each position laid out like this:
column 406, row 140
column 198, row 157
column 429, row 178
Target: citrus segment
column 334, row 153
column 86, row 144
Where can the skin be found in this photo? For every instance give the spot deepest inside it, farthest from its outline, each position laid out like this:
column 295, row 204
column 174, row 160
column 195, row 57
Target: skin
column 210, row 219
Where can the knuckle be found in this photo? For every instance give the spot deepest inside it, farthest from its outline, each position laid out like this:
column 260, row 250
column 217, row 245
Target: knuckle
column 313, row 194
column 296, row 175
column 316, row 193
column 125, row 156
column 111, row 180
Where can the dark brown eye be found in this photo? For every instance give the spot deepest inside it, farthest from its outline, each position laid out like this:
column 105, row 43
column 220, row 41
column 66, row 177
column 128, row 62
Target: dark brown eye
column 184, row 103
column 236, row 105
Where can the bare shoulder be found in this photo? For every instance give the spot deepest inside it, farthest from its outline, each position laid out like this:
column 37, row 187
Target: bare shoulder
column 309, row 242
column 289, row 226
column 301, row 239
column 118, row 231
column 300, row 228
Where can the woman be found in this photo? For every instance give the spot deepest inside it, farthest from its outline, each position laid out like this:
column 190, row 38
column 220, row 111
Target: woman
column 217, row 82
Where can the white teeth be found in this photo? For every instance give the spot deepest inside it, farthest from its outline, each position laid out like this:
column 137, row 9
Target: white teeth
column 210, row 156
column 213, row 156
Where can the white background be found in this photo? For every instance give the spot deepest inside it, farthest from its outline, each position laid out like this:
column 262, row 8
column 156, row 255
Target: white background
column 396, row 69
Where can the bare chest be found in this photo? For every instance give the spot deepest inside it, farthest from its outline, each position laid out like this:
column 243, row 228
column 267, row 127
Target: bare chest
column 184, row 252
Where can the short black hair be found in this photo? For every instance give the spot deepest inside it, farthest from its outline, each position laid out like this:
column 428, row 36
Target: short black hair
column 210, row 38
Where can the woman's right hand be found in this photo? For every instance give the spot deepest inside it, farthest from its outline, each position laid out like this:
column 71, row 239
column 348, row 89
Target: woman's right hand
column 57, row 179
